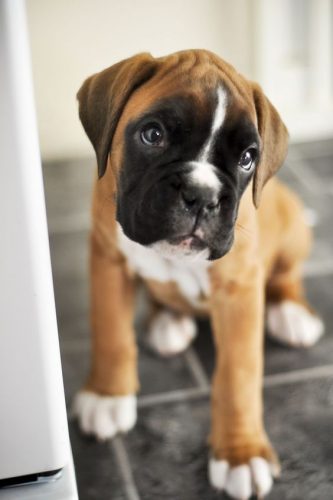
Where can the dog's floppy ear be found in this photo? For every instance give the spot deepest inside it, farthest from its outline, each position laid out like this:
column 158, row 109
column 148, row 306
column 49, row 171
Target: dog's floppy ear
column 274, row 141
column 102, row 99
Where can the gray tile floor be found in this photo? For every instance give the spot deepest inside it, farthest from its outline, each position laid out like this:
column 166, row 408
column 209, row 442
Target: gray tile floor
column 164, row 457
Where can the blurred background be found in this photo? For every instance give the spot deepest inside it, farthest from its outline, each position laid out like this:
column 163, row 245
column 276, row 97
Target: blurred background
column 286, row 45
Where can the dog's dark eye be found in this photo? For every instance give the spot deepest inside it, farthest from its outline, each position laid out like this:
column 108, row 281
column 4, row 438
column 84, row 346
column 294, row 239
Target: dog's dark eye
column 152, row 135
column 247, row 158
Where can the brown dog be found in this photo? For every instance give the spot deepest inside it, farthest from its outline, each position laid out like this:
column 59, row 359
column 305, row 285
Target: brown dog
column 184, row 147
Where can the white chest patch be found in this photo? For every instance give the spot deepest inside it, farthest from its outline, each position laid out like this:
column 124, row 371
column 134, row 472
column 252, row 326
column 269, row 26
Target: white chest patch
column 191, row 277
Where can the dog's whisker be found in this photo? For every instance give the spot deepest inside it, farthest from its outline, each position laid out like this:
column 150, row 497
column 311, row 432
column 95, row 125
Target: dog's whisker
column 243, row 230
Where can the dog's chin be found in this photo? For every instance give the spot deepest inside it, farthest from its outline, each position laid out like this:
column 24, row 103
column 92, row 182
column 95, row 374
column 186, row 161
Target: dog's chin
column 190, row 249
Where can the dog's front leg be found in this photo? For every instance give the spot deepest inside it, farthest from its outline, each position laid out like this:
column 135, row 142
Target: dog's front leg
column 107, row 403
column 243, row 460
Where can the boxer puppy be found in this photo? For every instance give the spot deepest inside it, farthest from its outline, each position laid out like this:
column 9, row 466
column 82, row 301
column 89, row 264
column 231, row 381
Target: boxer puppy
column 184, row 147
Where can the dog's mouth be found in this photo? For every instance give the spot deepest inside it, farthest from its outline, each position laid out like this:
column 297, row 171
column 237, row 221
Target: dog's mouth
column 189, row 246
column 190, row 242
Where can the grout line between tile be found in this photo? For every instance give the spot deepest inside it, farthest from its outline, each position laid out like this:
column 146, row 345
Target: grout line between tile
column 172, row 396
column 302, row 172
column 298, row 376
column 302, row 175
column 274, row 380
column 196, row 368
column 312, row 155
column 318, row 268
column 117, row 445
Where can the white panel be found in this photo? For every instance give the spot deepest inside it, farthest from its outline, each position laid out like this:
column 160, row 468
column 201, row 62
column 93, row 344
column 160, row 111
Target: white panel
column 293, row 58
column 33, row 426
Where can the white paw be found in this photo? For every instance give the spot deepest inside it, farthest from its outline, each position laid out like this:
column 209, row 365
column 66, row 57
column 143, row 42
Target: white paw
column 104, row 416
column 243, row 481
column 170, row 334
column 293, row 324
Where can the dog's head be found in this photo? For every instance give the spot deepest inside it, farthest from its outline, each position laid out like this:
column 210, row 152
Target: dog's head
column 186, row 134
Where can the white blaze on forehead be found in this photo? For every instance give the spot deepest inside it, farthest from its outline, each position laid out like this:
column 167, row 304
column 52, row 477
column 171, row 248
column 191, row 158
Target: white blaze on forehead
column 219, row 116
column 204, row 173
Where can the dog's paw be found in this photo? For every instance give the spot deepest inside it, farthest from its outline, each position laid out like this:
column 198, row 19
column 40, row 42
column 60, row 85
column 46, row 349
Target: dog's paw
column 242, row 481
column 170, row 334
column 104, row 416
column 292, row 324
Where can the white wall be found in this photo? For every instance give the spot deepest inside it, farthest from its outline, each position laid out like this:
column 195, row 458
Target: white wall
column 293, row 61
column 71, row 39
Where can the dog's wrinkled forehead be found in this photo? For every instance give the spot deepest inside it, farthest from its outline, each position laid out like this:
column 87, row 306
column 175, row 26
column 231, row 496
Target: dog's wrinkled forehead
column 196, row 92
column 193, row 119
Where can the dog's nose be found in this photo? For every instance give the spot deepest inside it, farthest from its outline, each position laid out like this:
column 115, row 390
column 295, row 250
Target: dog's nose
column 197, row 198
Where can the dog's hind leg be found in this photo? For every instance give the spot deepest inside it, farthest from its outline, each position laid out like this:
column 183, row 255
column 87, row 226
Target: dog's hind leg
column 170, row 332
column 290, row 319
